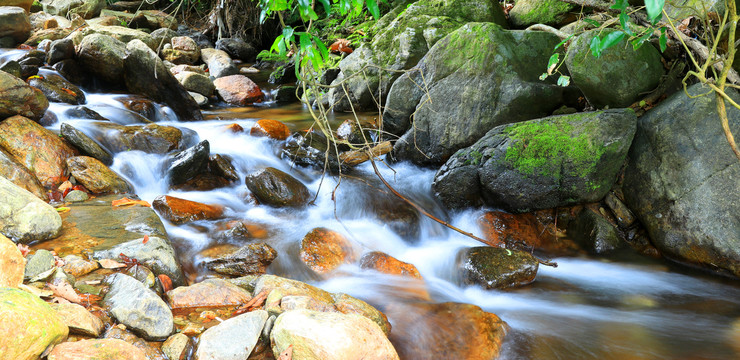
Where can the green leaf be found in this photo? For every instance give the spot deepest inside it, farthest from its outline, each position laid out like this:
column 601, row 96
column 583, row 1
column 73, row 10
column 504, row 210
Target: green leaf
column 612, row 39
column 620, row 5
column 344, row 6
column 596, row 46
column 663, row 41
column 276, row 44
column 543, row 76
column 327, row 6
column 624, row 20
column 553, row 60
column 372, row 7
column 637, row 43
column 563, row 80
column 563, row 42
column 592, row 22
column 654, row 10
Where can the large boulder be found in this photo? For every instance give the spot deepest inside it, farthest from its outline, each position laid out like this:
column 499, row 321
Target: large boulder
column 452, row 112
column 232, row 339
column 219, row 63
column 238, row 90
column 102, row 56
column 528, row 12
column 14, row 171
column 329, row 336
column 618, row 76
column 36, row 147
column 14, row 22
column 126, row 35
column 152, row 138
column 33, row 324
column 87, row 9
column 402, row 38
column 139, row 308
column 18, row 98
column 539, row 164
column 682, row 181
column 97, row 177
column 276, row 188
column 145, row 74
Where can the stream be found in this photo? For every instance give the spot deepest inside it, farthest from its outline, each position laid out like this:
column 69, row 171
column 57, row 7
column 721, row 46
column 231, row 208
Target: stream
column 618, row 307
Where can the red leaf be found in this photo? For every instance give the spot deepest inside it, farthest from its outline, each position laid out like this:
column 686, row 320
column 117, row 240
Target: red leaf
column 287, row 354
column 146, row 239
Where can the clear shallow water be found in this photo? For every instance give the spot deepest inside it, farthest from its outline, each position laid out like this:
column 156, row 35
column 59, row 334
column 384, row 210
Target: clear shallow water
column 587, row 308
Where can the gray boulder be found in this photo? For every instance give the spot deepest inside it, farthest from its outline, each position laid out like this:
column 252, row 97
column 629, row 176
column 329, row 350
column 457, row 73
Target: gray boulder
column 497, row 268
column 196, row 82
column 539, row 164
column 14, row 22
column 683, row 181
column 102, row 56
column 85, row 144
column 88, row 9
column 139, row 308
column 24, row 217
column 478, row 77
column 232, row 339
column 219, row 63
column 402, row 38
column 618, row 76
column 60, row 50
column 528, row 12
column 237, row 48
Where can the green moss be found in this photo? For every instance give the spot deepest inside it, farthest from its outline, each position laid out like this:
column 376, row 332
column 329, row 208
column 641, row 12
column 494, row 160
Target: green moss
column 541, row 148
column 546, row 12
column 474, row 157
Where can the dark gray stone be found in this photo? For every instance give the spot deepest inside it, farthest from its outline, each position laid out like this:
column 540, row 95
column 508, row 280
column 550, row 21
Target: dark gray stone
column 139, row 308
column 497, row 268
column 85, row 144
column 275, row 188
column 188, row 163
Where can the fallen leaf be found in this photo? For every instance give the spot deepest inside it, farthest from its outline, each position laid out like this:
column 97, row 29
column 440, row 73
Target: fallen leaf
column 24, row 249
column 287, row 354
column 66, row 291
column 146, row 239
column 110, row 264
column 256, row 302
column 126, row 201
column 62, row 209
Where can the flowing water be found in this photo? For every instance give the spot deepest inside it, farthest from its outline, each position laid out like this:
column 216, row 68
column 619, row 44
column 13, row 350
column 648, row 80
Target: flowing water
column 624, row 307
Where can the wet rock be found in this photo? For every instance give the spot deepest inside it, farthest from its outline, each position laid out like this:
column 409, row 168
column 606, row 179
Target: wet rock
column 72, row 71
column 252, row 259
column 539, row 164
column 179, row 211
column 141, row 66
column 139, row 308
column 162, row 36
column 42, row 261
column 103, row 56
column 140, row 105
column 85, row 144
column 237, row 49
column 119, row 332
column 446, row 331
column 286, row 94
column 497, row 268
column 199, row 99
column 78, row 319
column 319, row 335
column 77, row 266
column 311, row 150
column 184, row 51
column 87, row 9
column 283, row 74
column 439, row 130
column 83, row 113
column 210, row 292
column 232, row 339
column 271, row 128
column 387, row 264
column 60, row 50
column 222, row 166
column 324, row 250
column 529, row 12
column 11, row 67
column 196, row 82
column 76, row 196
column 238, row 90
column 18, row 98
column 151, row 138
column 621, row 212
column 14, row 22
column 24, row 217
column 18, row 174
column 275, row 188
column 103, row 349
column 526, row 232
column 24, row 4
column 56, row 89
column 350, row 131
column 97, row 177
column 188, row 163
column 48, row 34
column 156, row 253
column 681, row 181
column 12, row 264
column 33, row 324
column 349, row 305
column 177, row 347
column 219, row 63
column 618, row 76
column 595, row 232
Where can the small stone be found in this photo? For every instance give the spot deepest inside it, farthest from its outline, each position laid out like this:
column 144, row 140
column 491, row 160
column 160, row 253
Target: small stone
column 323, row 250
column 77, row 266
column 211, row 292
column 12, row 263
column 232, row 339
column 179, row 211
column 119, row 332
column 276, row 188
column 39, row 263
column 78, row 319
column 497, row 268
column 238, row 90
column 139, row 308
column 76, row 196
column 270, row 128
column 387, row 264
column 177, row 347
column 97, row 177
column 201, row 100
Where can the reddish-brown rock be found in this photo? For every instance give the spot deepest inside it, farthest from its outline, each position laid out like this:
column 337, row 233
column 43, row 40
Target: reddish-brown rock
column 323, row 250
column 387, row 264
column 235, row 128
column 179, row 211
column 99, row 349
column 211, row 292
column 270, row 128
column 535, row 230
column 14, row 171
column 97, row 177
column 12, row 263
column 37, row 148
column 18, row 98
column 238, row 90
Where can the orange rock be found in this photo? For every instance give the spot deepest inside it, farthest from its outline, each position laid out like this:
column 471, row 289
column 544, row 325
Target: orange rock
column 270, row 128
column 180, row 211
column 211, row 292
column 103, row 349
column 39, row 149
column 12, row 263
column 323, row 250
column 524, row 231
column 238, row 90
column 387, row 264
column 50, row 24
column 235, row 128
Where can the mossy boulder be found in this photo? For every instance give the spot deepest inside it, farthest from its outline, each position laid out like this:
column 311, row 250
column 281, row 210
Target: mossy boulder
column 539, row 164
column 29, row 324
column 683, row 181
column 618, row 76
column 478, row 77
column 528, row 12
column 497, row 268
column 402, row 38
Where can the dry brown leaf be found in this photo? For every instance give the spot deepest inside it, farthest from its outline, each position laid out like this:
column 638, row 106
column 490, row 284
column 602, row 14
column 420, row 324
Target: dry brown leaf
column 24, row 249
column 110, row 264
column 126, row 201
column 287, row 354
column 65, row 291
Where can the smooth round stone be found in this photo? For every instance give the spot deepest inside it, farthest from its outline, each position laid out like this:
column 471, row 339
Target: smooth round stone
column 76, row 196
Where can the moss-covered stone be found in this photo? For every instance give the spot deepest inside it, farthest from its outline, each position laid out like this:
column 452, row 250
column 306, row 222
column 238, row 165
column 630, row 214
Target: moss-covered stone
column 528, row 12
column 29, row 325
column 540, row 164
column 497, row 268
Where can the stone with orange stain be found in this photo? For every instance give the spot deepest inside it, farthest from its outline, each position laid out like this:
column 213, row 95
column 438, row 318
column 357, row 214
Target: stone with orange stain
column 97, row 177
column 103, row 349
column 14, row 171
column 211, row 292
column 324, row 250
column 445, row 331
column 179, row 211
column 270, row 128
column 41, row 151
column 238, row 90
column 535, row 230
column 12, row 263
column 235, row 128
column 387, row 264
